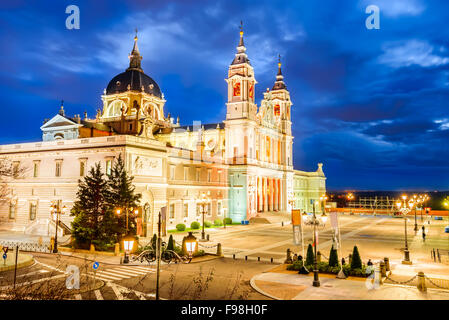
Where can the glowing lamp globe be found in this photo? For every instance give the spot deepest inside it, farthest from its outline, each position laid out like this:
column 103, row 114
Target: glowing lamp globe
column 128, row 242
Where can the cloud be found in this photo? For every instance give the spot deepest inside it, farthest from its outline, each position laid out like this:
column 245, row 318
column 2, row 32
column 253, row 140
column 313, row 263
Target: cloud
column 411, row 52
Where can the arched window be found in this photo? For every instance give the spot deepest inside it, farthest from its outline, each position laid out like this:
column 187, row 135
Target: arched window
column 277, row 110
column 237, row 89
column 114, row 109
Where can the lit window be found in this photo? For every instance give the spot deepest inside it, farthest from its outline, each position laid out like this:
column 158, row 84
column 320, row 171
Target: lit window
column 108, row 167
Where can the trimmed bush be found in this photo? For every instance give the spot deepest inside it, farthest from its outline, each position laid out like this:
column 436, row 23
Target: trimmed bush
column 227, row 220
column 297, row 265
column 195, row 225
column 309, row 256
column 171, row 243
column 207, row 224
column 180, row 227
column 356, row 262
column 333, row 258
column 218, row 222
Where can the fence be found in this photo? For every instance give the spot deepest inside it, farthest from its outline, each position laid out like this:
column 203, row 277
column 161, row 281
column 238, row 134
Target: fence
column 27, row 246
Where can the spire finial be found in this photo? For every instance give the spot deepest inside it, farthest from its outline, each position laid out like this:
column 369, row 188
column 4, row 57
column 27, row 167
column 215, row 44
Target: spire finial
column 135, row 38
column 241, row 27
column 134, row 57
column 61, row 111
column 279, row 60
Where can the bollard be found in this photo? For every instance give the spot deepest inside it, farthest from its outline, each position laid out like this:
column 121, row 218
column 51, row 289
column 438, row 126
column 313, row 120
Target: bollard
column 288, row 260
column 271, row 260
column 282, row 223
column 258, row 258
column 383, row 271
column 378, row 276
column 246, row 257
column 434, row 256
column 438, row 253
column 92, row 248
column 207, row 237
column 318, row 257
column 421, row 282
column 387, row 264
column 233, row 256
column 219, row 250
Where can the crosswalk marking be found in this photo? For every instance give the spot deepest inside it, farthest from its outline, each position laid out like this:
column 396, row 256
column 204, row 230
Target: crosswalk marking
column 98, row 295
column 117, row 291
column 121, row 273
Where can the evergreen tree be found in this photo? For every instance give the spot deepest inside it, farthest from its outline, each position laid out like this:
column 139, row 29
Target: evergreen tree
column 333, row 258
column 356, row 262
column 90, row 209
column 310, row 256
column 121, row 194
column 171, row 243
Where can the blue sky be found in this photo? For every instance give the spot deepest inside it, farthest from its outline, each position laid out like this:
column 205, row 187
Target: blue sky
column 372, row 105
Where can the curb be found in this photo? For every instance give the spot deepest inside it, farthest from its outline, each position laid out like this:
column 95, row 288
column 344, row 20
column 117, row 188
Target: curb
column 253, row 285
column 23, row 264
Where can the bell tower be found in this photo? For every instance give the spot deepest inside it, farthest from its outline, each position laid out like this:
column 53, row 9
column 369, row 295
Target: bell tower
column 241, row 85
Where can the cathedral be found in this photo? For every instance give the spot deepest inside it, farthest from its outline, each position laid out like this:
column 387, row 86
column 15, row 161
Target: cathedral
column 244, row 164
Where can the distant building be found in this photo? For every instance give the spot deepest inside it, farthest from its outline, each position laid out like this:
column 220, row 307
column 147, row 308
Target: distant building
column 244, row 163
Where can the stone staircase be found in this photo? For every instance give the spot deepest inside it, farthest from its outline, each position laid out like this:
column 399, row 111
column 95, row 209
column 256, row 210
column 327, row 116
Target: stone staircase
column 271, row 217
column 43, row 227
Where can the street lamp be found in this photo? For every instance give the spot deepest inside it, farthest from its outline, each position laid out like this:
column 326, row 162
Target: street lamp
column 191, row 244
column 55, row 209
column 128, row 243
column 402, row 206
column 323, row 199
column 350, row 197
column 314, row 221
column 203, row 202
column 127, row 210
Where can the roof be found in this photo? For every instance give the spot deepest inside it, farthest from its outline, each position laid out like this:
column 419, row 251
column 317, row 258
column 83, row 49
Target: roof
column 135, row 80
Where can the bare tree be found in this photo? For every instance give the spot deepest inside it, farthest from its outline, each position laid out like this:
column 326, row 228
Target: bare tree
column 8, row 170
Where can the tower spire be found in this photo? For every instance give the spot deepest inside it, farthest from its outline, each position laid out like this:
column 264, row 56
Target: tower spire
column 135, row 58
column 279, row 84
column 241, row 56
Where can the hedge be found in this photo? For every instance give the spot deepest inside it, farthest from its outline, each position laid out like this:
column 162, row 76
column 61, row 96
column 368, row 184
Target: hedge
column 180, row 227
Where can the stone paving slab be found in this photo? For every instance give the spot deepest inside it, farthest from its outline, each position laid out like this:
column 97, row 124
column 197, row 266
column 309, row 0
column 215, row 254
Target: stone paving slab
column 274, row 285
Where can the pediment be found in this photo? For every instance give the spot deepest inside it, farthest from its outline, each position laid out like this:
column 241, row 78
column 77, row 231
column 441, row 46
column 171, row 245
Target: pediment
column 59, row 121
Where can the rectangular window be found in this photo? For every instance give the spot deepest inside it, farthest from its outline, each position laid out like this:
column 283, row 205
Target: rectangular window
column 36, row 169
column 198, row 210
column 209, row 209
column 219, row 208
column 108, row 167
column 82, row 168
column 15, row 169
column 32, row 211
column 58, row 169
column 172, row 172
column 12, row 211
column 186, row 210
column 186, row 173
column 172, row 211
column 198, row 174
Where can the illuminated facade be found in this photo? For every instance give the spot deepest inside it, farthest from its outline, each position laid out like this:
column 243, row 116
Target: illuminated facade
column 245, row 163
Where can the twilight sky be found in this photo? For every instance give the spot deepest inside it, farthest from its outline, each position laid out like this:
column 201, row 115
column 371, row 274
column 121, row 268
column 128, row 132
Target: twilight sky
column 372, row 105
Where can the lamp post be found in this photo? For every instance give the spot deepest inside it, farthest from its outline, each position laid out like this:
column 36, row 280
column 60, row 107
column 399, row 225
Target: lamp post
column 191, row 244
column 128, row 243
column 350, row 197
column 127, row 210
column 203, row 201
column 402, row 206
column 415, row 202
column 55, row 209
column 315, row 222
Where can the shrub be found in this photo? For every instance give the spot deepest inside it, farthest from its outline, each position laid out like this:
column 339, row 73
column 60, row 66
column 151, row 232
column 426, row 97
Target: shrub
column 227, row 220
column 199, row 253
column 207, row 224
column 218, row 222
column 297, row 265
column 356, row 262
column 309, row 256
column 180, row 227
column 195, row 225
column 333, row 257
column 171, row 243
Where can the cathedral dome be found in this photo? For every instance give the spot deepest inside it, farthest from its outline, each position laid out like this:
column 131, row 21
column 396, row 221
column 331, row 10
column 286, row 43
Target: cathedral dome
column 134, row 80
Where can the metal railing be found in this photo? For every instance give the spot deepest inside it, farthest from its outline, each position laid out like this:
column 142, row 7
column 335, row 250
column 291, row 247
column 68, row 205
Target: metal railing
column 27, row 246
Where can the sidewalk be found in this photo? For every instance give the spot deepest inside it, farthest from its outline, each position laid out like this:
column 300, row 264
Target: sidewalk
column 283, row 286
column 23, row 260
